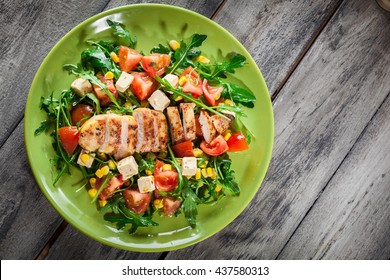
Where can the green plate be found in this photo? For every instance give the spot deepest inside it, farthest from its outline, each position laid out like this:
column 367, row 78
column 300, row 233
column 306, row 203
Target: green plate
column 152, row 24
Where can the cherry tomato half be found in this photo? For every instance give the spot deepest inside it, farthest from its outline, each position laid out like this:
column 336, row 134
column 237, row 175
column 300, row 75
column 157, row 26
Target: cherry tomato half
column 136, row 201
column 165, row 180
column 211, row 92
column 237, row 142
column 183, row 149
column 216, row 147
column 155, row 64
column 128, row 58
column 80, row 113
column 193, row 83
column 69, row 138
column 143, row 85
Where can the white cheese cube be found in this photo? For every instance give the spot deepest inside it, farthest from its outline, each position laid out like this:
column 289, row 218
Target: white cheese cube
column 159, row 100
column 188, row 166
column 81, row 86
column 172, row 79
column 146, row 184
column 124, row 81
column 85, row 159
column 127, row 167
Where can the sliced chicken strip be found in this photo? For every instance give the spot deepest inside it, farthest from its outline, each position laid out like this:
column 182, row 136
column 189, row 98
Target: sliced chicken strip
column 112, row 141
column 128, row 137
column 146, row 135
column 208, row 130
column 189, row 126
column 177, row 133
column 92, row 133
column 161, row 132
column 221, row 124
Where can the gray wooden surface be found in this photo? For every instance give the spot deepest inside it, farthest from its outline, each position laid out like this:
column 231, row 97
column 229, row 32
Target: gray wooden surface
column 327, row 191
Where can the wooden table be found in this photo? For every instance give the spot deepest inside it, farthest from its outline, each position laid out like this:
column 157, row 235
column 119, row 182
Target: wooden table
column 327, row 191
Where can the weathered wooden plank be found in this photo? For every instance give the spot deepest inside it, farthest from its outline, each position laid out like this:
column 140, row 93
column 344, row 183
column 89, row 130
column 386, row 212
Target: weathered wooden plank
column 275, row 32
column 71, row 242
column 319, row 115
column 351, row 219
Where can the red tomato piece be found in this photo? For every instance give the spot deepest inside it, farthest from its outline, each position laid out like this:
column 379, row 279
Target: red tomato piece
column 136, row 201
column 211, row 93
column 216, row 147
column 165, row 180
column 143, row 85
column 237, row 142
column 128, row 58
column 114, row 184
column 101, row 95
column 80, row 113
column 193, row 83
column 170, row 205
column 183, row 149
column 155, row 64
column 69, row 138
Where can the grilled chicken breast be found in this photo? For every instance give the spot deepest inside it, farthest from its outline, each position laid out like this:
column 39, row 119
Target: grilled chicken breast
column 161, row 132
column 189, row 126
column 92, row 133
column 208, row 130
column 146, row 137
column 128, row 137
column 177, row 132
column 221, row 124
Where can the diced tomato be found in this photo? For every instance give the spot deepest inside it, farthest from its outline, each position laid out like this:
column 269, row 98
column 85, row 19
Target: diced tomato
column 216, row 147
column 198, row 131
column 101, row 95
column 128, row 58
column 80, row 113
column 136, row 201
column 69, row 138
column 114, row 184
column 237, row 142
column 170, row 205
column 193, row 83
column 165, row 180
column 155, row 64
column 211, row 93
column 183, row 149
column 143, row 85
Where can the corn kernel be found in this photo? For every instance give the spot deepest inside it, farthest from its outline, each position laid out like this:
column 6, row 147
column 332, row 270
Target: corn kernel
column 197, row 152
column 229, row 102
column 197, row 174
column 114, row 57
column 174, row 45
column 99, row 173
column 157, row 203
column 111, row 165
column 102, row 156
column 214, row 175
column 227, row 136
column 182, row 80
column 85, row 158
column 166, row 167
column 178, row 98
column 203, row 59
column 92, row 182
column 102, row 203
column 204, row 172
column 92, row 192
column 188, row 177
column 217, row 96
column 218, row 188
column 105, row 169
column 209, row 171
column 109, row 75
column 148, row 172
column 127, row 105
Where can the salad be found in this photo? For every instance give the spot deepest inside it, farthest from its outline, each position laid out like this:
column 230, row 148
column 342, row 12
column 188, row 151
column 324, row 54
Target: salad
column 150, row 132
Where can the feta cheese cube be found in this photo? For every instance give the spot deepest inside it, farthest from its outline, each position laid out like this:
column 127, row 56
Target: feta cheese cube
column 85, row 159
column 189, row 166
column 81, row 86
column 124, row 81
column 159, row 100
column 127, row 167
column 172, row 79
column 146, row 184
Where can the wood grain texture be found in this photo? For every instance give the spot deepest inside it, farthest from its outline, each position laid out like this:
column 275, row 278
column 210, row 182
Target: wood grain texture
column 351, row 219
column 319, row 115
column 275, row 32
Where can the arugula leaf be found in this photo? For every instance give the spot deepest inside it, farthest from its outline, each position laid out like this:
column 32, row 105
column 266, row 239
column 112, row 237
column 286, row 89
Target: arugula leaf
column 43, row 127
column 122, row 33
column 107, row 45
column 161, row 49
column 239, row 94
column 233, row 61
column 191, row 200
column 226, row 175
column 96, row 59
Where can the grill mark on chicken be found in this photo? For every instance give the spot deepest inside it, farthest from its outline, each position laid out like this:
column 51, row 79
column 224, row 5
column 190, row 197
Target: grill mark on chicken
column 161, row 131
column 221, row 124
column 92, row 133
column 189, row 126
column 146, row 135
column 208, row 130
column 177, row 133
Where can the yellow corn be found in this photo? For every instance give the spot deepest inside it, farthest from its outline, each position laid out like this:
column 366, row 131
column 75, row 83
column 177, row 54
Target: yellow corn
column 203, row 59
column 102, row 203
column 174, row 44
column 85, row 158
column 99, row 173
column 204, row 172
column 178, row 98
column 109, row 75
column 209, row 171
column 166, row 167
column 182, row 80
column 102, row 156
column 114, row 57
column 127, row 105
column 92, row 192
column 198, row 174
column 92, row 182
column 227, row 136
column 217, row 96
column 111, row 164
column 218, row 188
column 148, row 172
column 197, row 152
column 157, row 203
column 105, row 169
column 229, row 102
